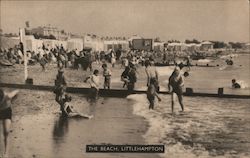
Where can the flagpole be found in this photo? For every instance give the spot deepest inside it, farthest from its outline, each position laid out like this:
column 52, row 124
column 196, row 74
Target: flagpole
column 22, row 38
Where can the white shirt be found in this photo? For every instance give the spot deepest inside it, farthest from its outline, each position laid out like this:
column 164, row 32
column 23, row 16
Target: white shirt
column 94, row 81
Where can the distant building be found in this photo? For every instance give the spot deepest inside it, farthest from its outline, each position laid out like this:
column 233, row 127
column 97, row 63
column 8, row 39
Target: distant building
column 116, row 45
column 247, row 46
column 206, row 45
column 92, row 42
column 176, row 46
column 158, row 46
column 47, row 31
column 192, row 47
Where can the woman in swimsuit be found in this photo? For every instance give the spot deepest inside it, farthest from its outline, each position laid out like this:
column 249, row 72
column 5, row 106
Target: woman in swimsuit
column 6, row 115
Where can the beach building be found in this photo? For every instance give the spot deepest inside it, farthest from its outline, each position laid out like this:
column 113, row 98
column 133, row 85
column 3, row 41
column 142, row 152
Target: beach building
column 192, row 47
column 158, row 46
column 35, row 45
column 177, row 46
column 75, row 44
column 115, row 44
column 8, row 42
column 138, row 43
column 206, row 45
column 92, row 42
column 47, row 31
column 247, row 46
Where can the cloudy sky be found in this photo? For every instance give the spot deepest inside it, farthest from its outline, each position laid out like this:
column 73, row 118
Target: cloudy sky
column 226, row 20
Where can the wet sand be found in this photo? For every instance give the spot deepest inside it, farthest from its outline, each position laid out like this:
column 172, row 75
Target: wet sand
column 39, row 131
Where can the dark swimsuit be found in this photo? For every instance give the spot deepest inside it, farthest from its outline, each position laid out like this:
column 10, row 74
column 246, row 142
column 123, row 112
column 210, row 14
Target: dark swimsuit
column 6, row 114
column 176, row 86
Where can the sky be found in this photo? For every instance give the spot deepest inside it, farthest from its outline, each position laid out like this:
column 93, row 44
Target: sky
column 222, row 20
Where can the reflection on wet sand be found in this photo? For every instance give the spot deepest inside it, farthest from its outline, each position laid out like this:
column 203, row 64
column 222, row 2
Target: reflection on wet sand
column 61, row 128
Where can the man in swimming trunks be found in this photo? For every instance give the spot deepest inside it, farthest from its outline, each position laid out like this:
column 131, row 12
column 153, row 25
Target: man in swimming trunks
column 152, row 74
column 175, row 85
column 6, row 115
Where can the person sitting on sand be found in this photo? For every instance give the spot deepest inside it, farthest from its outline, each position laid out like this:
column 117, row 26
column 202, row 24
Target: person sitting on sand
column 93, row 80
column 152, row 93
column 6, row 115
column 68, row 110
column 175, row 85
column 235, row 84
column 60, row 85
column 107, row 76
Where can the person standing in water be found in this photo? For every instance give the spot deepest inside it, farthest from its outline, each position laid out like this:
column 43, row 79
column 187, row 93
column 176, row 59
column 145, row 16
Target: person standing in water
column 152, row 93
column 175, row 85
column 6, row 115
column 152, row 74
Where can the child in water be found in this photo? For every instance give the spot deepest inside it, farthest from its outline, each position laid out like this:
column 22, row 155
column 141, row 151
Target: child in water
column 107, row 76
column 152, row 93
column 68, row 110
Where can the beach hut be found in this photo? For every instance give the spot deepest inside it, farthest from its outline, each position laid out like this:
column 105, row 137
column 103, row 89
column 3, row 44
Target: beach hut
column 75, row 44
column 206, row 45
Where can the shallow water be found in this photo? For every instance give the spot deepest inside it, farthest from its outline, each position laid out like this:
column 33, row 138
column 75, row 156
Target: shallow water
column 209, row 127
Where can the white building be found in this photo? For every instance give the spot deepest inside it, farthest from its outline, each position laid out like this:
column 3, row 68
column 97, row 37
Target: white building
column 206, row 46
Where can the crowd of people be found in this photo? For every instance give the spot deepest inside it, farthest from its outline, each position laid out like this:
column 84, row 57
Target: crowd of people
column 84, row 58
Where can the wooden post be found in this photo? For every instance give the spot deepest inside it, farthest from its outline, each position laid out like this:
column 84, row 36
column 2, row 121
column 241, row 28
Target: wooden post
column 189, row 91
column 22, row 39
column 220, row 91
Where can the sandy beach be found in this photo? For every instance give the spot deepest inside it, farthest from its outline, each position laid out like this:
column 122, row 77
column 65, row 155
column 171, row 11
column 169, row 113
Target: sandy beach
column 39, row 131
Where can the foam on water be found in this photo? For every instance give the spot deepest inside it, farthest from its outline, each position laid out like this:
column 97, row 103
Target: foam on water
column 204, row 61
column 229, row 56
column 243, row 84
column 183, row 134
column 229, row 67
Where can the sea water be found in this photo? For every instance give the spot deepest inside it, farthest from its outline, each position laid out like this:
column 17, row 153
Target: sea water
column 209, row 127
column 209, row 79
